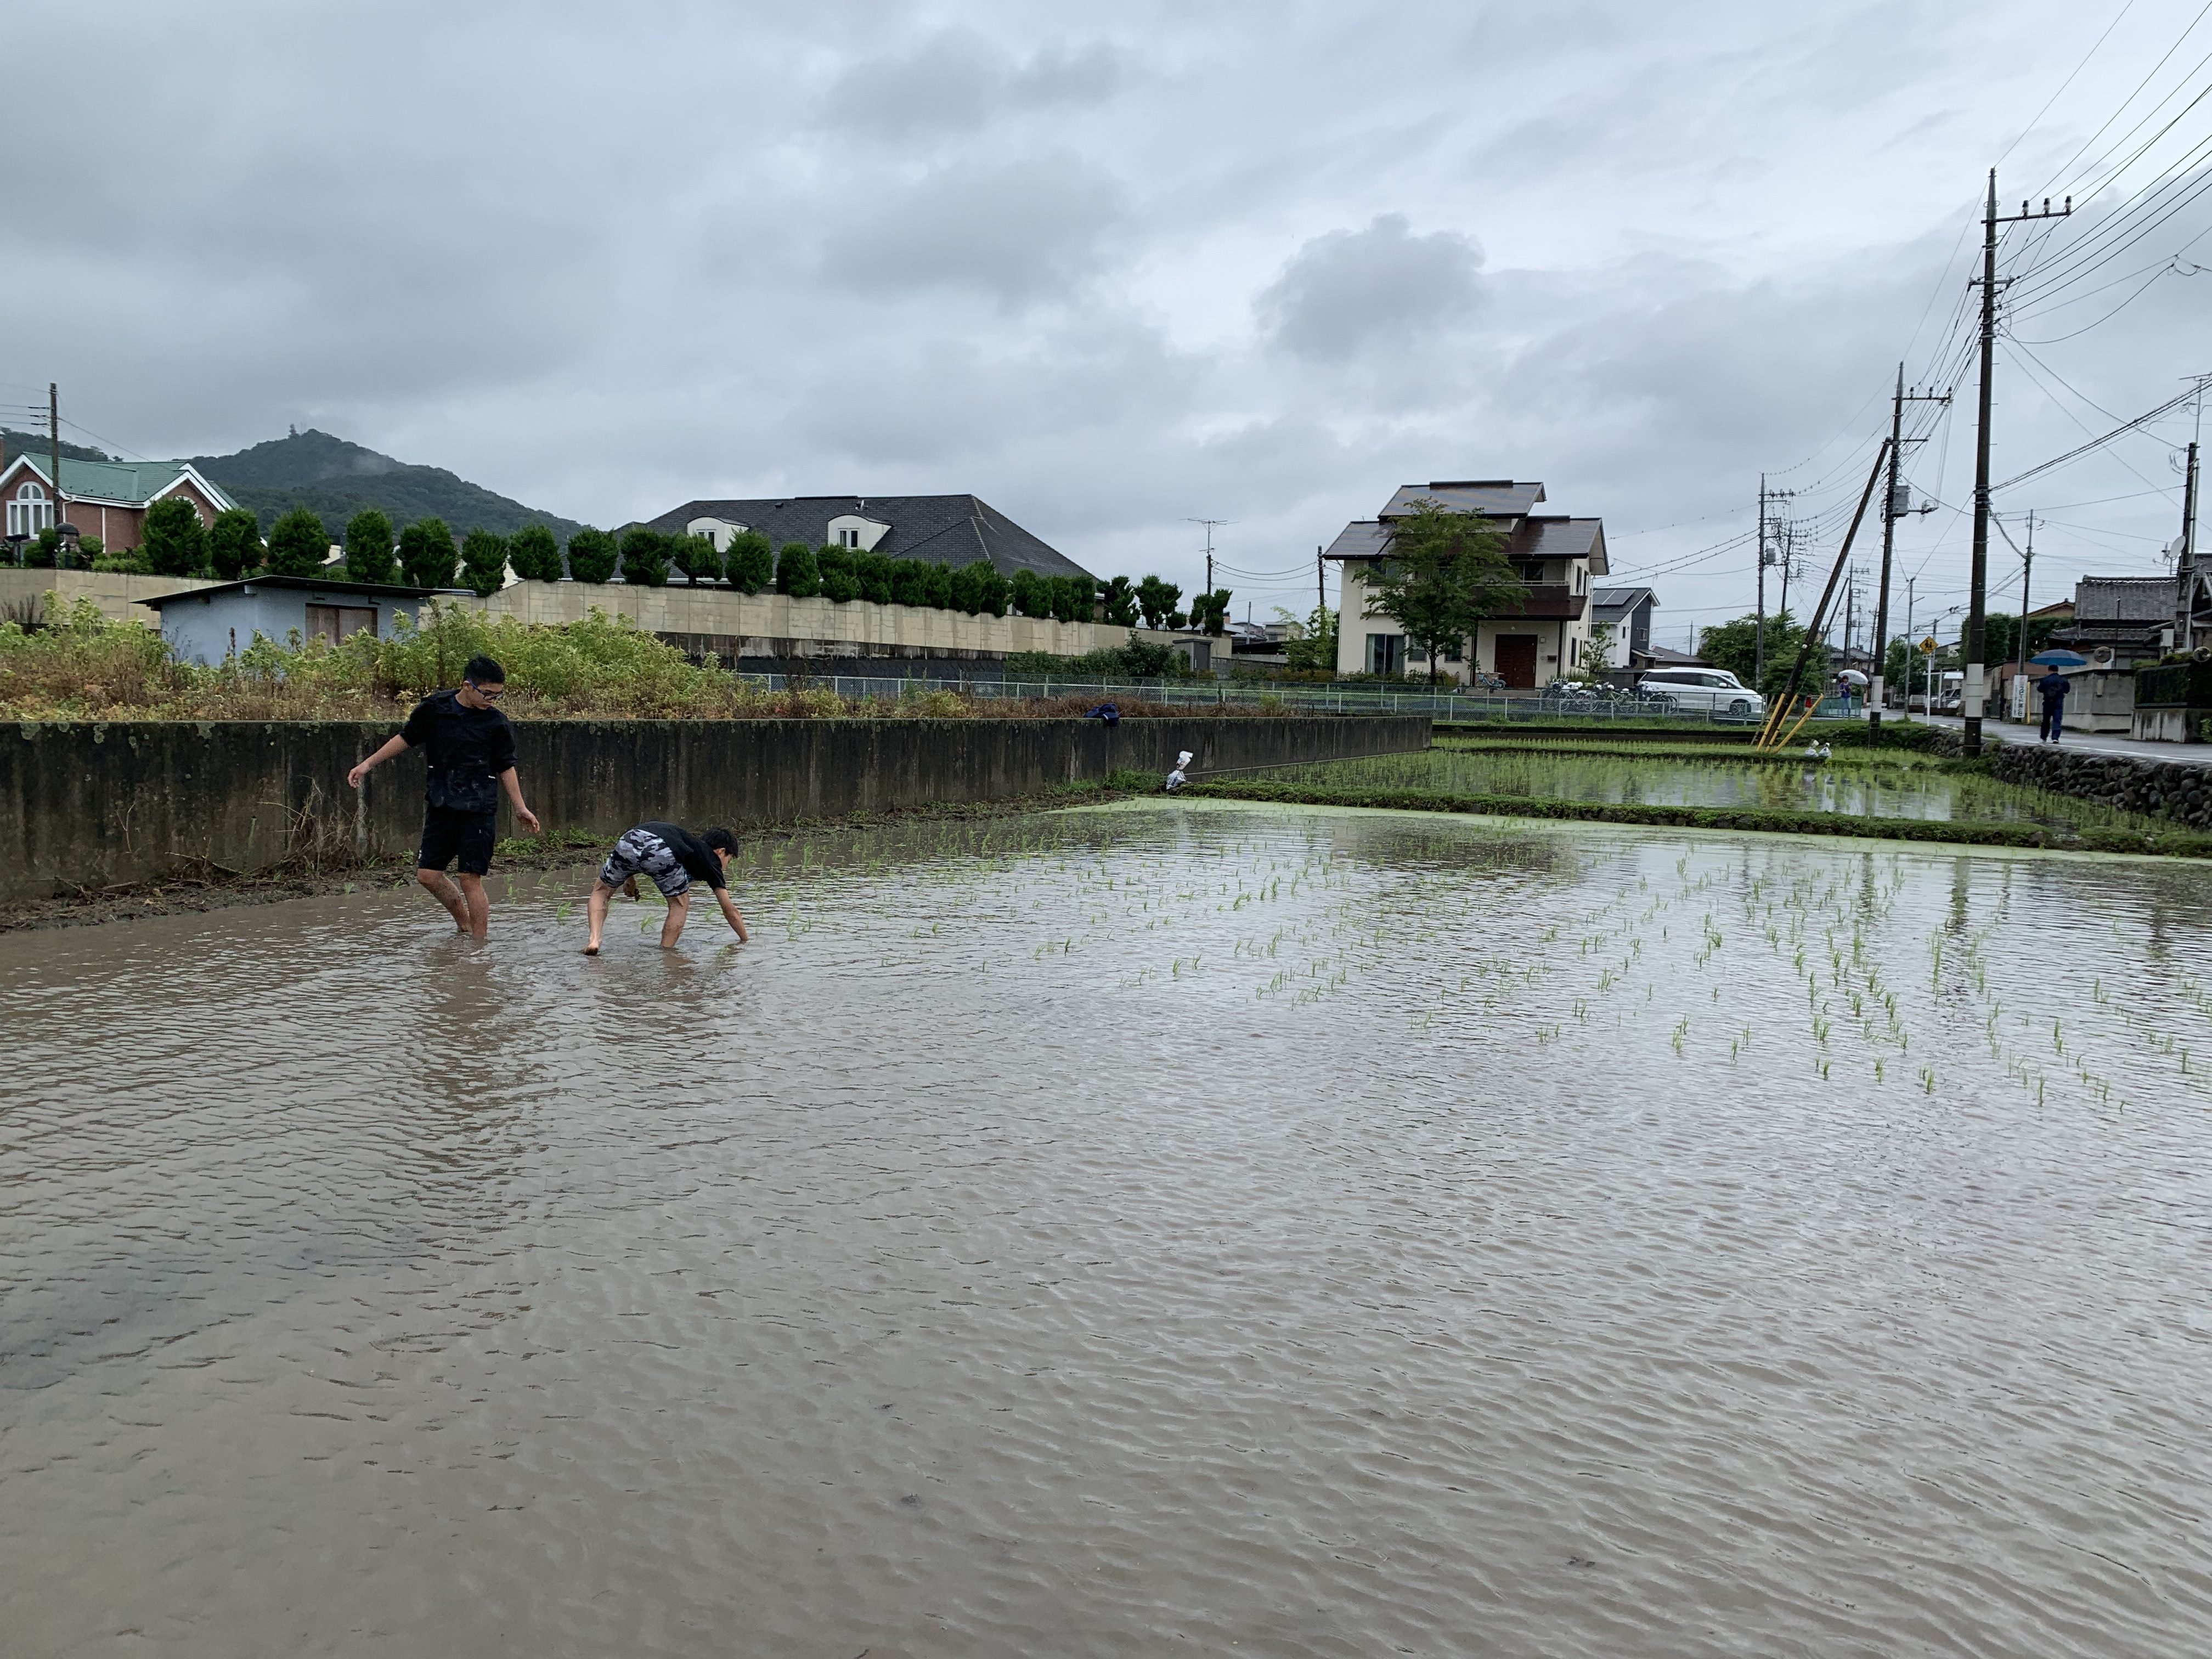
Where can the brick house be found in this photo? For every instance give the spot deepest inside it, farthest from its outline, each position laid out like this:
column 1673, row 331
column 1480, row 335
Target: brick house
column 1542, row 639
column 107, row 499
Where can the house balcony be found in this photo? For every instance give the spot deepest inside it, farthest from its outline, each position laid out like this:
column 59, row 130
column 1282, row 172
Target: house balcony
column 1547, row 602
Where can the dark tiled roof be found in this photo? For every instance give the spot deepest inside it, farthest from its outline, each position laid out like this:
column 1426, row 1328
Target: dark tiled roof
column 1497, row 497
column 1660, row 656
column 954, row 530
column 1532, row 538
column 2123, row 598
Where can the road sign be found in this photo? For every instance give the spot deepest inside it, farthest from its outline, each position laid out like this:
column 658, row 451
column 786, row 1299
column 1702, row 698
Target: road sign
column 1928, row 647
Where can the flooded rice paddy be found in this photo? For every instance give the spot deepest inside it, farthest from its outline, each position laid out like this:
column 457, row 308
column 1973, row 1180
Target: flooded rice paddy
column 1901, row 787
column 1182, row 1227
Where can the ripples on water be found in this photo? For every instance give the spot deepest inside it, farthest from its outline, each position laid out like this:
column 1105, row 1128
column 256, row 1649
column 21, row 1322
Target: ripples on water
column 1124, row 1232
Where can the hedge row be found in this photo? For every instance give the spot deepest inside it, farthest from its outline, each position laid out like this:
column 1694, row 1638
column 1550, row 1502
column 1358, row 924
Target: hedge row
column 425, row 555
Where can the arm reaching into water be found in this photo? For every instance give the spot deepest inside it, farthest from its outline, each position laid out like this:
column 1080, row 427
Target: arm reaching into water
column 730, row 910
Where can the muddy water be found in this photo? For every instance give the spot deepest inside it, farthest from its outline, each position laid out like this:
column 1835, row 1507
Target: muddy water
column 1172, row 1229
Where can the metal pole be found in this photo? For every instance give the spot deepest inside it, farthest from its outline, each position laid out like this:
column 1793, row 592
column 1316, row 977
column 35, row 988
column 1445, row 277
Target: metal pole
column 1888, row 542
column 54, row 454
column 1759, row 635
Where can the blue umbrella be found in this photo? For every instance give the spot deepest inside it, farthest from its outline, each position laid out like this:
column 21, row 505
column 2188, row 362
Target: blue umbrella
column 2060, row 659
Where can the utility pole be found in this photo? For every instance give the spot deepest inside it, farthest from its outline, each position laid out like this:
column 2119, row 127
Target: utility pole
column 1759, row 638
column 1320, row 586
column 1972, row 689
column 1911, row 647
column 1895, row 505
column 1210, row 525
column 54, row 450
column 2184, row 583
column 2026, row 574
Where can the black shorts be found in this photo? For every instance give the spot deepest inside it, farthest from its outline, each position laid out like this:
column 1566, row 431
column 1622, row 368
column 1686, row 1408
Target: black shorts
column 448, row 834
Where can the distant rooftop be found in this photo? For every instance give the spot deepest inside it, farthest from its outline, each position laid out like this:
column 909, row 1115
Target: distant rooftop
column 954, row 530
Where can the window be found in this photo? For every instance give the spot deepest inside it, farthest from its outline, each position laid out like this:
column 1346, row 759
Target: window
column 849, row 538
column 1529, row 570
column 333, row 624
column 30, row 512
column 1385, row 653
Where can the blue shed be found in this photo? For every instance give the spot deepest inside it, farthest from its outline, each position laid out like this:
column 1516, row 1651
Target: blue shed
column 207, row 624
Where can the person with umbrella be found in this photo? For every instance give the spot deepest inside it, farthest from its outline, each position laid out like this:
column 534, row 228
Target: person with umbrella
column 2052, row 689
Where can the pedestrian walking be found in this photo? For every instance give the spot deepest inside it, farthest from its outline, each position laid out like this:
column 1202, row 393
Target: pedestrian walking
column 470, row 749
column 2052, row 689
column 673, row 859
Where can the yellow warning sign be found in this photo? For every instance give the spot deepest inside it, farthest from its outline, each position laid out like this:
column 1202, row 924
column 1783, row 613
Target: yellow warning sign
column 1928, row 647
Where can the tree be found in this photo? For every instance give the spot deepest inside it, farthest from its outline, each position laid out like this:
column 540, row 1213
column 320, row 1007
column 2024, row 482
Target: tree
column 369, row 548
column 1032, row 595
column 1735, row 645
column 697, row 557
column 1445, row 574
column 836, row 578
column 644, row 557
column 534, row 554
column 1156, row 600
column 797, row 571
column 175, row 542
column 1118, row 596
column 484, row 561
column 1309, row 646
column 909, row 582
column 1210, row 611
column 750, row 563
column 1074, row 599
column 298, row 544
column 426, row 554
column 234, row 544
column 592, row 555
column 1598, row 648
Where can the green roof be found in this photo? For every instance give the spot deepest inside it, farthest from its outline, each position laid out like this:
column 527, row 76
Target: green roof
column 135, row 482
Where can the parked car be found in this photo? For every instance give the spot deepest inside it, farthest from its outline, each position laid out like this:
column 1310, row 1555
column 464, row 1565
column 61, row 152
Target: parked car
column 1712, row 691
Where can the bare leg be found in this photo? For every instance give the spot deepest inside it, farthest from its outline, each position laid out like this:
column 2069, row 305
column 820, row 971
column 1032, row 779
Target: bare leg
column 479, row 906
column 435, row 882
column 679, row 908
column 595, row 908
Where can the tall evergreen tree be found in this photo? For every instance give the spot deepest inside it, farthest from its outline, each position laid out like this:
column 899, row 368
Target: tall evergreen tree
column 368, row 556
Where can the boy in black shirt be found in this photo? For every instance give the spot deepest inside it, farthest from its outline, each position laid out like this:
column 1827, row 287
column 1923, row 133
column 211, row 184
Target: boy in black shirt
column 472, row 756
column 672, row 858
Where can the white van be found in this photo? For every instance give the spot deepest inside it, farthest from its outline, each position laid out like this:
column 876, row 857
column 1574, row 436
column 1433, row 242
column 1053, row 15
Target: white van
column 1706, row 691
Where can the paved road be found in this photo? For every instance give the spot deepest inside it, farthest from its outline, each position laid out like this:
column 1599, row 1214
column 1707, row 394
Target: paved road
column 2184, row 754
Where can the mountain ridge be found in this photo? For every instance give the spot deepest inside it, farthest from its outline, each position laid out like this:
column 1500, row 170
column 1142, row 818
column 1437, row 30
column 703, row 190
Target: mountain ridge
column 335, row 478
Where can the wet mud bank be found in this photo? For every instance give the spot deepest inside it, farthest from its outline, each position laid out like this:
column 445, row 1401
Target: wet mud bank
column 88, row 808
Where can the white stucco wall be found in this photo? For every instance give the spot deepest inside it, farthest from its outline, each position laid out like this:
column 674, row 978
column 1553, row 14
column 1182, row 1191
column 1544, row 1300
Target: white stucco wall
column 678, row 608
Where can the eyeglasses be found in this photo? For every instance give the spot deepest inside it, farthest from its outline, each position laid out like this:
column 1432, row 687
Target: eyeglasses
column 488, row 693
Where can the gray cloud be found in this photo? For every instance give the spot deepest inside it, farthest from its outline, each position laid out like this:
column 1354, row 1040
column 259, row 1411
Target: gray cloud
column 1110, row 267
column 1032, row 228
column 1350, row 289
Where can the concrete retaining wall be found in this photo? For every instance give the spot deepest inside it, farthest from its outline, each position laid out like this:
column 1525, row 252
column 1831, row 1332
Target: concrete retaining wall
column 98, row 805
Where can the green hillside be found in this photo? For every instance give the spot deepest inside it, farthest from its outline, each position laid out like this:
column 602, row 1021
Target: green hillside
column 13, row 444
column 335, row 479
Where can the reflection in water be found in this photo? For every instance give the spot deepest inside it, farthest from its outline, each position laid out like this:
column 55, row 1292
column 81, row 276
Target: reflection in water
column 1277, row 1232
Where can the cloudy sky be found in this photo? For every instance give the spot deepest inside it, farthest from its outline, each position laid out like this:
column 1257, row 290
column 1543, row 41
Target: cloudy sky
column 1118, row 268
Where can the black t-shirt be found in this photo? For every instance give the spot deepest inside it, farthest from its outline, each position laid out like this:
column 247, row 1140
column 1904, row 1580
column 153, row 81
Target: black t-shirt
column 698, row 858
column 469, row 748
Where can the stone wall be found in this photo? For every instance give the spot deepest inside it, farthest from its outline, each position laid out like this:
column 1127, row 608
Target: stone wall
column 101, row 806
column 2164, row 788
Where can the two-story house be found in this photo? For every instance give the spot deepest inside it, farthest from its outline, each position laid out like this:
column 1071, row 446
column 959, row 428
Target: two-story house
column 1542, row 639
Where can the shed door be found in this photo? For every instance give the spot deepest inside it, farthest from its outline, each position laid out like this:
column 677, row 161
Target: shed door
column 333, row 622
column 1516, row 661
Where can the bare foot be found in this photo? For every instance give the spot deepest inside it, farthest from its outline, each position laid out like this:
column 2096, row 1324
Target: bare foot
column 591, row 950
